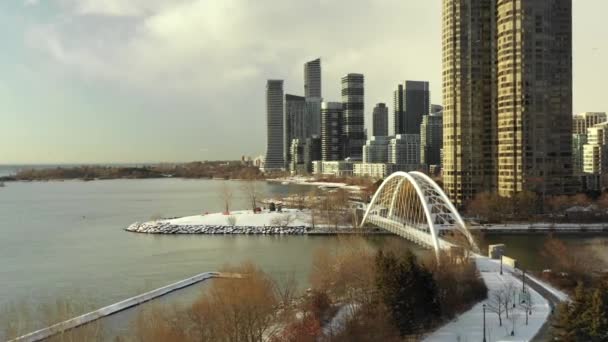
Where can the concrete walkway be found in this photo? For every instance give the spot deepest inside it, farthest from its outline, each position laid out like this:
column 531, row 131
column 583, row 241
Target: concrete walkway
column 469, row 325
column 75, row 322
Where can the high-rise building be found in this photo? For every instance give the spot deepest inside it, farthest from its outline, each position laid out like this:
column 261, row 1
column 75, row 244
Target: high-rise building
column 580, row 125
column 398, row 111
column 274, row 121
column 417, row 97
column 507, row 85
column 469, row 118
column 534, row 103
column 296, row 152
column 411, row 100
column 578, row 147
column 312, row 151
column 431, row 139
column 404, row 149
column 296, row 123
column 595, row 156
column 354, row 116
column 313, row 94
column 581, row 122
column 332, row 135
column 380, row 120
column 312, row 79
column 313, row 114
column 376, row 150
column 435, row 108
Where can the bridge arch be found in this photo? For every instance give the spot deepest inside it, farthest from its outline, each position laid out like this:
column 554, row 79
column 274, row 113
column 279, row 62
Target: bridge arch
column 412, row 205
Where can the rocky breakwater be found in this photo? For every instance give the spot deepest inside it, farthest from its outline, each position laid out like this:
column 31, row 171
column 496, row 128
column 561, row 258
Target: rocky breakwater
column 164, row 227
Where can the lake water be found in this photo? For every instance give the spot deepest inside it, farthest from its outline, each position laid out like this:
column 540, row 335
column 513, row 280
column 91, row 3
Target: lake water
column 66, row 240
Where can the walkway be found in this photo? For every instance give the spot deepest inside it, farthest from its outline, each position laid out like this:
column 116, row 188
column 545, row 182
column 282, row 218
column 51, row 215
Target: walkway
column 109, row 310
column 469, row 325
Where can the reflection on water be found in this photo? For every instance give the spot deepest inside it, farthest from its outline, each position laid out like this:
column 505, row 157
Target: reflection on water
column 527, row 248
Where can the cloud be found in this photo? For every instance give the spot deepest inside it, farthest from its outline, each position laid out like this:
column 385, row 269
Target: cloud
column 216, row 55
column 189, row 43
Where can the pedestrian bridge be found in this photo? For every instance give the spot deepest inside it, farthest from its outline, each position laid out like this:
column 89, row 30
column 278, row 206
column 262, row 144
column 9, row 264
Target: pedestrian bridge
column 413, row 206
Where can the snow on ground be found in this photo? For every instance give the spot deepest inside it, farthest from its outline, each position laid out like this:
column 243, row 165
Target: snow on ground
column 557, row 293
column 469, row 325
column 542, row 226
column 299, row 218
column 311, row 181
column 340, row 319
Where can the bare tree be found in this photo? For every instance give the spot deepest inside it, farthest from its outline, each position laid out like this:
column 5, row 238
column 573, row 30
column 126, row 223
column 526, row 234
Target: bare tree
column 286, row 289
column 282, row 220
column 251, row 190
column 527, row 304
column 510, row 291
column 496, row 303
column 229, row 310
column 226, row 194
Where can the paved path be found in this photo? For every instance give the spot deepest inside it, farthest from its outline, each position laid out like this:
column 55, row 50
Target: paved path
column 469, row 325
column 543, row 333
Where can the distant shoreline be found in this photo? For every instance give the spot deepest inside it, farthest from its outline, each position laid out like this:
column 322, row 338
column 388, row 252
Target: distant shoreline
column 195, row 170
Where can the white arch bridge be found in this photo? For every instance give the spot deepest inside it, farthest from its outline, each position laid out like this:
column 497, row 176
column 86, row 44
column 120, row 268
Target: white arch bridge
column 413, row 206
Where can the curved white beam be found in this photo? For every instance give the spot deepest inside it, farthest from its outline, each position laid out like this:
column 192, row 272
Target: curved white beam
column 421, row 183
column 423, row 202
column 451, row 206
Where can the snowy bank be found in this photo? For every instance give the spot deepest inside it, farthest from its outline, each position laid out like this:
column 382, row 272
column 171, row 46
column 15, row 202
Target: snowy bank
column 311, row 182
column 285, row 222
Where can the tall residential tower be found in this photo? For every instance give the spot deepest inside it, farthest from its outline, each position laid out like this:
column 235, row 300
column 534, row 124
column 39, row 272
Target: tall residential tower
column 312, row 79
column 507, row 85
column 274, row 122
column 313, row 95
column 354, row 118
column 380, row 120
column 332, row 136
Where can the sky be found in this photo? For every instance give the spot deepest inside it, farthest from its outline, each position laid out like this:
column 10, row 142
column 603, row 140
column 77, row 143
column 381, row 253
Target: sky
column 99, row 81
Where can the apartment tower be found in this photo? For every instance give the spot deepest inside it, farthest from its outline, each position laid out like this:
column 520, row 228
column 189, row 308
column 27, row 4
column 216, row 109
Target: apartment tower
column 507, row 84
column 274, row 121
column 332, row 122
column 380, row 120
column 313, row 95
column 296, row 124
column 354, row 118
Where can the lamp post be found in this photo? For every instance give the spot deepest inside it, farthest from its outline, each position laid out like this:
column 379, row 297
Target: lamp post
column 484, row 323
column 523, row 281
column 500, row 263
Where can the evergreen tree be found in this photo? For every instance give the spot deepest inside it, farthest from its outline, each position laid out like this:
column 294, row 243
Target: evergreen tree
column 585, row 318
column 595, row 317
column 408, row 290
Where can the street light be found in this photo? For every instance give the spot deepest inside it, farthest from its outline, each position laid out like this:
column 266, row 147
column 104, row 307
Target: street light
column 501, row 263
column 484, row 323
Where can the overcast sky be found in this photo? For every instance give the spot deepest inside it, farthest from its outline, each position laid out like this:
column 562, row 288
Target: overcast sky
column 177, row 80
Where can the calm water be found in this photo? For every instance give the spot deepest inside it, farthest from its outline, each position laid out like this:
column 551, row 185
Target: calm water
column 66, row 239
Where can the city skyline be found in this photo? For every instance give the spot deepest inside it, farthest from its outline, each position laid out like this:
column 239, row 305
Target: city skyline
column 78, row 90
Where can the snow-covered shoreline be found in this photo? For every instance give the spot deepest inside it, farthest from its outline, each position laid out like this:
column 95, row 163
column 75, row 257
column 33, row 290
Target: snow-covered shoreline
column 311, row 182
column 243, row 222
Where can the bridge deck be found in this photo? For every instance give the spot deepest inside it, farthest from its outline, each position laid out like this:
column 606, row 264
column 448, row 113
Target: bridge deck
column 415, row 235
